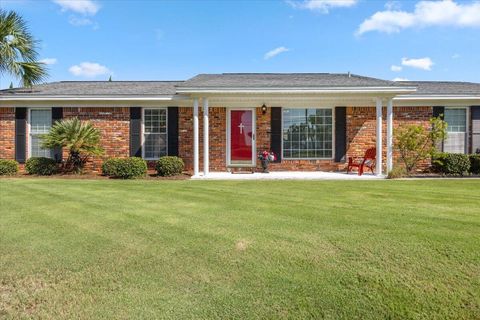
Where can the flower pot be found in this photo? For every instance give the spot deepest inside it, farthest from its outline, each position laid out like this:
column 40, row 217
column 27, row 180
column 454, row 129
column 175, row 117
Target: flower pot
column 265, row 165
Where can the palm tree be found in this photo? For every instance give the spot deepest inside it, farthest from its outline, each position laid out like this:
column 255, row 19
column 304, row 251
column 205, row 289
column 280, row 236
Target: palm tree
column 81, row 139
column 18, row 54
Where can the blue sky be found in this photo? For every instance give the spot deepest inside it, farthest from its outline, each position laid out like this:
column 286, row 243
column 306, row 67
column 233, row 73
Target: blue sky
column 174, row 40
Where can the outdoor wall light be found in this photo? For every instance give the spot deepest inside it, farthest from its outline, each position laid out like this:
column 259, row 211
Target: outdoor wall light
column 264, row 109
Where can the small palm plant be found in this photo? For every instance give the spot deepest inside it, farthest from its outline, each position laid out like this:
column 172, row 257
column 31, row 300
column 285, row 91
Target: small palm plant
column 81, row 139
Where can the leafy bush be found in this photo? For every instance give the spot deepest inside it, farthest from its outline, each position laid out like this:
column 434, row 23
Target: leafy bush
column 452, row 163
column 125, row 168
column 416, row 143
column 8, row 167
column 397, row 172
column 41, row 166
column 169, row 166
column 475, row 163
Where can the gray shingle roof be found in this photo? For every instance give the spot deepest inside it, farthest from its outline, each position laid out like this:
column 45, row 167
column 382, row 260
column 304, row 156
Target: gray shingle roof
column 444, row 87
column 285, row 80
column 96, row 88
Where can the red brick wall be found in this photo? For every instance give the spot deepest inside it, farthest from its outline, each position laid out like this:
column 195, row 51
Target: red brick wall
column 114, row 125
column 7, row 133
column 361, row 126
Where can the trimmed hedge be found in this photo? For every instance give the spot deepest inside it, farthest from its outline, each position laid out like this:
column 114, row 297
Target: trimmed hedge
column 475, row 163
column 8, row 167
column 41, row 166
column 169, row 166
column 125, row 168
column 452, row 163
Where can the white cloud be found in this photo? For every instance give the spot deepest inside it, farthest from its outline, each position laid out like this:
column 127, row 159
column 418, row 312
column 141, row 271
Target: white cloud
column 322, row 6
column 86, row 7
column 275, row 52
column 425, row 14
column 395, row 68
column 79, row 22
column 400, row 79
column 88, row 69
column 49, row 60
column 456, row 56
column 421, row 63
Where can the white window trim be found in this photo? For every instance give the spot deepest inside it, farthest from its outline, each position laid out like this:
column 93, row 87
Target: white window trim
column 467, row 126
column 333, row 135
column 143, row 131
column 29, row 130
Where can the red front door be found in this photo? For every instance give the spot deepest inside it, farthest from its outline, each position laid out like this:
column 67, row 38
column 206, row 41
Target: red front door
column 241, row 137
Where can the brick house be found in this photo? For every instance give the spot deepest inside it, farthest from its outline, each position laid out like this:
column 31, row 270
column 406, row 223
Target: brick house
column 220, row 122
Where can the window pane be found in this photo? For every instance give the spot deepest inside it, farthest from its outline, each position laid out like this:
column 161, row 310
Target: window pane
column 155, row 120
column 307, row 133
column 40, row 121
column 155, row 146
column 155, row 134
column 36, row 150
column 456, row 120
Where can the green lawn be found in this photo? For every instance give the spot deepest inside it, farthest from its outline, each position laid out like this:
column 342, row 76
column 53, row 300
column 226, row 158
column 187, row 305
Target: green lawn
column 249, row 249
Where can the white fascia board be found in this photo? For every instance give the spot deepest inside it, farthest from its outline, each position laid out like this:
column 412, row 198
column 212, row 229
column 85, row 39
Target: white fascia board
column 433, row 97
column 299, row 90
column 93, row 98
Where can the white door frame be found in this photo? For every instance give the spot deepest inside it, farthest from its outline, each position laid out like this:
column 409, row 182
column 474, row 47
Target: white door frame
column 254, row 138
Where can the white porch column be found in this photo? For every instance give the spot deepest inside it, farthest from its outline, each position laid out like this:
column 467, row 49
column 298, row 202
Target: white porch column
column 195, row 137
column 379, row 164
column 206, row 149
column 389, row 135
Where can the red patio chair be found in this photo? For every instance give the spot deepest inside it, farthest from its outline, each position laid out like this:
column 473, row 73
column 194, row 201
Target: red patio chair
column 368, row 161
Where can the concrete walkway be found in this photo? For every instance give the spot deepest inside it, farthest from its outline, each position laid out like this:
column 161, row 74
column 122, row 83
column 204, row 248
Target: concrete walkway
column 286, row 175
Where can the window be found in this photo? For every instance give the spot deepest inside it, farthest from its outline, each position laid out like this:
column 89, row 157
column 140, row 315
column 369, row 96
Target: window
column 307, row 133
column 40, row 123
column 456, row 141
column 154, row 133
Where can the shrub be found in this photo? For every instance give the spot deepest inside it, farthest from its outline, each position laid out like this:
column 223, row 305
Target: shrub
column 475, row 163
column 416, row 143
column 397, row 172
column 169, row 166
column 80, row 138
column 41, row 166
column 8, row 167
column 125, row 168
column 452, row 163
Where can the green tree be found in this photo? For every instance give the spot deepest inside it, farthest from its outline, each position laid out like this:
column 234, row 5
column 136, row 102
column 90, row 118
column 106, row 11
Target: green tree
column 18, row 50
column 81, row 139
column 416, row 143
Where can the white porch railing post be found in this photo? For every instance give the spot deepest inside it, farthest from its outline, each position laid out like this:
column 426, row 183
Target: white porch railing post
column 206, row 149
column 389, row 135
column 195, row 137
column 379, row 164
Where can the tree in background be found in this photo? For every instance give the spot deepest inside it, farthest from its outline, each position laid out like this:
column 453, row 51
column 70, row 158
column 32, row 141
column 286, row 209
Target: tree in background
column 18, row 50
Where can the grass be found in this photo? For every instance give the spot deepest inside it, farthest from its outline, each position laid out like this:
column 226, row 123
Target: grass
column 239, row 250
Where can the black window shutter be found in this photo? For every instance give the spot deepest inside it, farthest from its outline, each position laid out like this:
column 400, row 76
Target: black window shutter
column 21, row 134
column 172, row 125
column 340, row 133
column 439, row 112
column 276, row 132
column 475, row 117
column 135, row 132
column 57, row 114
